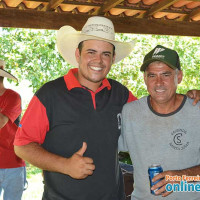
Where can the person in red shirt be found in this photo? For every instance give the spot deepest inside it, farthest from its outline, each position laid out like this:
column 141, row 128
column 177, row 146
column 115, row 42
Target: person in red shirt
column 11, row 167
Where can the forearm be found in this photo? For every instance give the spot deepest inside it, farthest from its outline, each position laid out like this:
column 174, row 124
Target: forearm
column 77, row 166
column 39, row 157
column 193, row 171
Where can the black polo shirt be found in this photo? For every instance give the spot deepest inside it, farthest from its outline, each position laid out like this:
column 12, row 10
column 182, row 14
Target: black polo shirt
column 70, row 115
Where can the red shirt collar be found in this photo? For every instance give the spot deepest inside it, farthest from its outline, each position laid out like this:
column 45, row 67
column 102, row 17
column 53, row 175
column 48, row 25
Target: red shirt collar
column 72, row 82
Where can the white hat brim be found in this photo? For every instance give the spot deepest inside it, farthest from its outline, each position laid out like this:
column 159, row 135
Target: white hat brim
column 68, row 39
column 6, row 74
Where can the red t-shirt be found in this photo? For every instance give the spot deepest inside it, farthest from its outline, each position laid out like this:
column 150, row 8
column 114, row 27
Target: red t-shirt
column 10, row 105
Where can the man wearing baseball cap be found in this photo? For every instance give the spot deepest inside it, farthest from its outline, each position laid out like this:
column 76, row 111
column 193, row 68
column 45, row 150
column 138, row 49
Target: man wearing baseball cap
column 11, row 167
column 162, row 128
column 72, row 124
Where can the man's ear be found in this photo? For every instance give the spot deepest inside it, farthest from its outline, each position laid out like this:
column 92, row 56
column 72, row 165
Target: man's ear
column 180, row 76
column 145, row 78
column 77, row 55
column 113, row 59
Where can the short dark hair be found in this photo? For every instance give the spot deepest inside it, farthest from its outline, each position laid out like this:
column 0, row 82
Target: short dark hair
column 80, row 47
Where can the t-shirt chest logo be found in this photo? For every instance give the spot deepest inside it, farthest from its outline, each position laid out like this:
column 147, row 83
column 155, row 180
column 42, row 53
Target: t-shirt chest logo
column 179, row 139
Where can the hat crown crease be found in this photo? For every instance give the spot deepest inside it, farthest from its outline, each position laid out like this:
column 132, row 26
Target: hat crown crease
column 99, row 30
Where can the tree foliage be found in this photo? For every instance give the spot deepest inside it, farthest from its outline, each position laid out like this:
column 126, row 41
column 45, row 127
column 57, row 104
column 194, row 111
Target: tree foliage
column 31, row 54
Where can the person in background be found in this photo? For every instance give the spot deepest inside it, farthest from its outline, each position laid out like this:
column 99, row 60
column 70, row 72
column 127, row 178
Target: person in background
column 11, row 167
column 162, row 128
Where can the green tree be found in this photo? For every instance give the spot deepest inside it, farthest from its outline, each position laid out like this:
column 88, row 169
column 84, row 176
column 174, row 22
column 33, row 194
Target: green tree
column 31, row 55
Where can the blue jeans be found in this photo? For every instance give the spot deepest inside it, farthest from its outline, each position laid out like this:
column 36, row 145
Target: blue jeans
column 12, row 183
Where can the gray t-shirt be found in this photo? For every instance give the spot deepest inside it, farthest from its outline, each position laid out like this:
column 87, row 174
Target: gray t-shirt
column 172, row 140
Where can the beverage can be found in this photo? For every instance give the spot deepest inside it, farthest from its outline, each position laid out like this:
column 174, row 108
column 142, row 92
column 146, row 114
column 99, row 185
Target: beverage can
column 153, row 170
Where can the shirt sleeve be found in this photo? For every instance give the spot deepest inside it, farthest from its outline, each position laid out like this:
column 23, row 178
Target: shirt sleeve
column 12, row 108
column 131, row 97
column 34, row 124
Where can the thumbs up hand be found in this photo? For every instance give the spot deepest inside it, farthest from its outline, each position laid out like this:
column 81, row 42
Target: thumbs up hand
column 79, row 167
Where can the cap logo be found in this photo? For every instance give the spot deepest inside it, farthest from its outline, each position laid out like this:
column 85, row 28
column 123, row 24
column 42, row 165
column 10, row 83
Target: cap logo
column 157, row 51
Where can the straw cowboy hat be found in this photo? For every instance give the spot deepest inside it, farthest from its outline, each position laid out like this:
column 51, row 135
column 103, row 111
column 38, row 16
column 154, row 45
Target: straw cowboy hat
column 96, row 28
column 4, row 73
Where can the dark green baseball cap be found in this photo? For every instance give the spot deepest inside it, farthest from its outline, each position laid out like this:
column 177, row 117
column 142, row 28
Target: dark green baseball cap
column 160, row 53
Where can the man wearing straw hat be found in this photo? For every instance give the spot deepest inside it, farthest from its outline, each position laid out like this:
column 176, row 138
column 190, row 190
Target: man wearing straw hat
column 72, row 124
column 11, row 166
